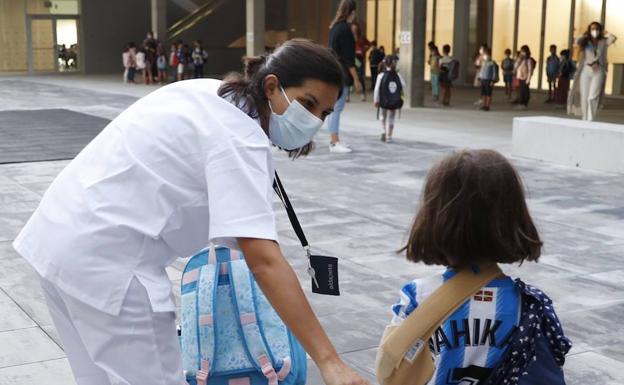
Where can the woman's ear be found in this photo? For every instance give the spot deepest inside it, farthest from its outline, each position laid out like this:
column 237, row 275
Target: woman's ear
column 270, row 86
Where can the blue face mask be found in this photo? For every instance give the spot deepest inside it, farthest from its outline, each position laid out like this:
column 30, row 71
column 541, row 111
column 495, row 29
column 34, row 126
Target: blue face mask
column 295, row 127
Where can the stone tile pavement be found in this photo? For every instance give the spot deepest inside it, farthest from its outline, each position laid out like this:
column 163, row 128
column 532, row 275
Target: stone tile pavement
column 357, row 207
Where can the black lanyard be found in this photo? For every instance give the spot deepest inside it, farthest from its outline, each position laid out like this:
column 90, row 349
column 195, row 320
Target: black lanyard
column 294, row 221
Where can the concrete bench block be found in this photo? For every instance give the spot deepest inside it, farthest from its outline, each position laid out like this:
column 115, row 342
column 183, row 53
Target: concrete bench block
column 591, row 145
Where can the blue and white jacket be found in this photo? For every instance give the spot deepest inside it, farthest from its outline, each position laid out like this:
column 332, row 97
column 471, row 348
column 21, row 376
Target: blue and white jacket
column 476, row 337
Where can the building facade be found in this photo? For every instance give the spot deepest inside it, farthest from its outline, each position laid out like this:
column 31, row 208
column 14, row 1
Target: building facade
column 42, row 36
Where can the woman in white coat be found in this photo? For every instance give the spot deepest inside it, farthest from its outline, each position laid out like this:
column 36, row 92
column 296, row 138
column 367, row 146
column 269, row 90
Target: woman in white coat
column 590, row 78
column 186, row 165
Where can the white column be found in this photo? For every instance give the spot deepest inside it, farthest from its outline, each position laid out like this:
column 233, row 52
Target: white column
column 159, row 19
column 412, row 50
column 255, row 27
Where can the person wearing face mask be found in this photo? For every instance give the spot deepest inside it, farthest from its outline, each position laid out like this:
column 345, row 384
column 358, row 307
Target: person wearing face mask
column 187, row 165
column 524, row 68
column 592, row 66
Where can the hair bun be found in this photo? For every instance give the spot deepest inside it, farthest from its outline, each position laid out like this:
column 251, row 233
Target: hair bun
column 253, row 65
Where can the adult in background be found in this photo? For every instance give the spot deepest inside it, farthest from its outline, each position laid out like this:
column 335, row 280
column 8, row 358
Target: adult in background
column 362, row 45
column 592, row 71
column 342, row 42
column 151, row 47
column 199, row 56
column 375, row 58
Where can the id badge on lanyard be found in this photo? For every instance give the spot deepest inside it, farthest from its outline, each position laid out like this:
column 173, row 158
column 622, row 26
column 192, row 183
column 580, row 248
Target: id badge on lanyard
column 323, row 270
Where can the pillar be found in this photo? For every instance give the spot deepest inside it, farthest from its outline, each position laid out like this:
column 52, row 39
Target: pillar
column 255, row 16
column 159, row 19
column 460, row 39
column 412, row 50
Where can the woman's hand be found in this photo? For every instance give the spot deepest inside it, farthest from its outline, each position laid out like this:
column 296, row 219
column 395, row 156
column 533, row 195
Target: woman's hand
column 337, row 373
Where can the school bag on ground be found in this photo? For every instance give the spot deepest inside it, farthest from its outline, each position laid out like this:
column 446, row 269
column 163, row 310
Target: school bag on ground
column 230, row 334
column 391, row 91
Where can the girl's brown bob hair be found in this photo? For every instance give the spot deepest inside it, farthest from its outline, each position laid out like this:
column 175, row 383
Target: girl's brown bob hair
column 473, row 211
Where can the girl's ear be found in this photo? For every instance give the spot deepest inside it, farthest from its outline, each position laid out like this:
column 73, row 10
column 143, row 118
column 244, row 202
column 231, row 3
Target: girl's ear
column 270, row 86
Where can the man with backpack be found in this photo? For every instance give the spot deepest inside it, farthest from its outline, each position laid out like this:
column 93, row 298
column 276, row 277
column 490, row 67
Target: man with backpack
column 388, row 95
column 449, row 71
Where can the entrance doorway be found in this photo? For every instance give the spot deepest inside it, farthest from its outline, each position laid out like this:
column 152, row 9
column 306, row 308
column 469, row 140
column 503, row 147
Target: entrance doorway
column 53, row 44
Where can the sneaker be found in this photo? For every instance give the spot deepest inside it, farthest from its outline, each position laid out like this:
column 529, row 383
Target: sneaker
column 521, row 107
column 339, row 148
column 389, row 139
column 383, row 137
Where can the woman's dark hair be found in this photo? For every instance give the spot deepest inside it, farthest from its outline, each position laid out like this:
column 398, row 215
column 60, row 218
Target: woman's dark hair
column 587, row 37
column 526, row 49
column 292, row 63
column 473, row 211
column 345, row 9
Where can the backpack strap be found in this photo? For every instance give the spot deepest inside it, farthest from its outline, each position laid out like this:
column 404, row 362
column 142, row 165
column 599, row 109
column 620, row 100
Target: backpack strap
column 206, row 298
column 411, row 336
column 240, row 280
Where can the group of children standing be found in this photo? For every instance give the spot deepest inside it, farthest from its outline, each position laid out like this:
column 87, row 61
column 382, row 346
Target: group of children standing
column 156, row 66
column 517, row 73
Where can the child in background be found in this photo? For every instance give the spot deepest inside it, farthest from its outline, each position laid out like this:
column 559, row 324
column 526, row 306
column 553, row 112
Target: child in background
column 473, row 213
column 449, row 68
column 566, row 72
column 388, row 95
column 132, row 62
column 488, row 75
column 161, row 64
column 508, row 72
column 434, row 65
column 173, row 60
column 183, row 61
column 125, row 60
column 140, row 64
column 552, row 71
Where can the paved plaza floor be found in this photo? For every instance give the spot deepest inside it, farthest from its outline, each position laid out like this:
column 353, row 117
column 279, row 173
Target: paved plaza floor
column 356, row 206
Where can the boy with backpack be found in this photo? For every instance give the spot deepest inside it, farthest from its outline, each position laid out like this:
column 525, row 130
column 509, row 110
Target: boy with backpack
column 388, row 95
column 449, row 71
column 488, row 75
column 508, row 72
column 552, row 70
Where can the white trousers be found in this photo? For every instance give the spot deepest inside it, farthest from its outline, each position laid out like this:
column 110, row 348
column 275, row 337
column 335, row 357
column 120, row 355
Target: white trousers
column 592, row 83
column 137, row 347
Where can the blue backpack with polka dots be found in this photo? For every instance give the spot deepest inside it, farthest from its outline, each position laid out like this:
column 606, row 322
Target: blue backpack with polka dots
column 230, row 334
column 537, row 352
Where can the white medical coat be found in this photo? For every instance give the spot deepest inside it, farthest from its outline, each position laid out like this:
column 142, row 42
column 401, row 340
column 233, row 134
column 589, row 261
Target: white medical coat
column 179, row 168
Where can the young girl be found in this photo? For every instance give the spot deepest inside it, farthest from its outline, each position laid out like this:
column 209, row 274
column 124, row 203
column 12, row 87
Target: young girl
column 161, row 64
column 388, row 95
column 473, row 212
column 434, row 68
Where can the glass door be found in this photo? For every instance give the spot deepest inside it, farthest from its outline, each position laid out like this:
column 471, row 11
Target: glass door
column 53, row 44
column 67, row 44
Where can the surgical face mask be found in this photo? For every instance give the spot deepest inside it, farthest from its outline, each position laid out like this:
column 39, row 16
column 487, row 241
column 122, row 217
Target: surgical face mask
column 295, row 127
column 595, row 33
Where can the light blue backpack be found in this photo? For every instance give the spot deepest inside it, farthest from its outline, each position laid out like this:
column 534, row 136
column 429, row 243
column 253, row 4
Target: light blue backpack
column 230, row 333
